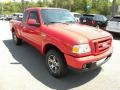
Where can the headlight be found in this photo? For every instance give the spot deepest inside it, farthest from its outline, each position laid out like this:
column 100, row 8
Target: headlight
column 81, row 49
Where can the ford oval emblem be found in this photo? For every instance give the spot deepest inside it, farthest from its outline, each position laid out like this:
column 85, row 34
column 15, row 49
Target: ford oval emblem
column 105, row 45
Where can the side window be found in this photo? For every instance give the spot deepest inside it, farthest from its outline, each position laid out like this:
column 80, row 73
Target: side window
column 25, row 16
column 34, row 15
column 112, row 19
column 117, row 19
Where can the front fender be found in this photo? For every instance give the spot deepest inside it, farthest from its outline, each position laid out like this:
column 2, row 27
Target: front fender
column 60, row 44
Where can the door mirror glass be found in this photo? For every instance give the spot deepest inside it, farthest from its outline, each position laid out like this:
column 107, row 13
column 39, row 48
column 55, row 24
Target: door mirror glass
column 33, row 22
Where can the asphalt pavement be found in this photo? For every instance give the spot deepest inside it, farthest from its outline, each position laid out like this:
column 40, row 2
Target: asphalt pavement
column 23, row 68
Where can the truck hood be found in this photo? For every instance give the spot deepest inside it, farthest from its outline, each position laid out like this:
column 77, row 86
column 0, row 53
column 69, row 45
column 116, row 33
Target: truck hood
column 79, row 32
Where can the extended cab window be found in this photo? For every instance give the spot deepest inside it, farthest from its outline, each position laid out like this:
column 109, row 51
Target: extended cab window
column 34, row 15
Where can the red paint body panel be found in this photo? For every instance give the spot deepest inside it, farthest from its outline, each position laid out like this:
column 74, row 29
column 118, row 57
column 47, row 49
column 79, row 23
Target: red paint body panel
column 78, row 63
column 64, row 36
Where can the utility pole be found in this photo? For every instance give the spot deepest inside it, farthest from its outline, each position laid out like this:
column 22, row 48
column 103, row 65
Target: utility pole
column 62, row 3
column 1, row 6
column 14, row 5
column 113, row 7
column 22, row 1
column 56, row 3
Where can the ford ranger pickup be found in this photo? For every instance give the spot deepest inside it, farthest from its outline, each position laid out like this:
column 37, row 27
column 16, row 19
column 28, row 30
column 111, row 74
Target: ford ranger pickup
column 64, row 42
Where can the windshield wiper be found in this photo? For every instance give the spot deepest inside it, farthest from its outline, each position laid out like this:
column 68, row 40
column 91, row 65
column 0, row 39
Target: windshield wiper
column 52, row 22
column 70, row 22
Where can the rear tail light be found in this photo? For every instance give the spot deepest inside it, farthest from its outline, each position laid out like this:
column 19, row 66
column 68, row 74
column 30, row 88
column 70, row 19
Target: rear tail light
column 93, row 22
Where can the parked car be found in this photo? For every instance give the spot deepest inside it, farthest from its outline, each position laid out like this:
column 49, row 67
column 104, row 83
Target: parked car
column 2, row 17
column 18, row 15
column 76, row 15
column 63, row 42
column 12, row 16
column 114, row 25
column 8, row 17
column 99, row 21
column 15, row 20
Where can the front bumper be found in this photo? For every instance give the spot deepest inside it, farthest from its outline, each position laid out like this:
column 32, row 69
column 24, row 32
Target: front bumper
column 88, row 62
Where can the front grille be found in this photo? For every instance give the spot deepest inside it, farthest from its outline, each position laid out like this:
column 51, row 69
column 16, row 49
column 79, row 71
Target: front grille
column 101, row 45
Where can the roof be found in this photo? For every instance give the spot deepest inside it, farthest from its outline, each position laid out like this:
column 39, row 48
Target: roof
column 116, row 16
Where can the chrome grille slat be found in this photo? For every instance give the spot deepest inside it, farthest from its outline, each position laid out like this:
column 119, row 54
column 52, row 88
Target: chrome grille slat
column 101, row 45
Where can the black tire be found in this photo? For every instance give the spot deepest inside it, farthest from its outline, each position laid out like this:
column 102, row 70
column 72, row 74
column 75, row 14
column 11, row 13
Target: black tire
column 17, row 40
column 56, row 63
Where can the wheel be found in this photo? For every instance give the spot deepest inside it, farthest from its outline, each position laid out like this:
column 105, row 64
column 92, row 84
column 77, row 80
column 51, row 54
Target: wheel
column 55, row 63
column 17, row 40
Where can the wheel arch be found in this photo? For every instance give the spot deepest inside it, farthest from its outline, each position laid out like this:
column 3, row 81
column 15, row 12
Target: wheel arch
column 47, row 47
column 50, row 47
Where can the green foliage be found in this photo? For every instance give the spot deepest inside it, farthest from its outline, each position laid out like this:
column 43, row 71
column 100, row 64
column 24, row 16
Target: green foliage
column 82, row 6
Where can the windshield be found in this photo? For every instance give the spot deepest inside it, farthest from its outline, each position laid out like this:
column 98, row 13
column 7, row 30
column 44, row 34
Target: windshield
column 57, row 16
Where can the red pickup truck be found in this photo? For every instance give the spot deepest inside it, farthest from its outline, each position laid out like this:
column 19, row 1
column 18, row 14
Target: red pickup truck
column 64, row 42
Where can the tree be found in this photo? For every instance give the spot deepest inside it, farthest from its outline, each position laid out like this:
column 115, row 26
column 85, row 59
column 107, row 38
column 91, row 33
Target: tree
column 82, row 6
column 22, row 1
column 70, row 3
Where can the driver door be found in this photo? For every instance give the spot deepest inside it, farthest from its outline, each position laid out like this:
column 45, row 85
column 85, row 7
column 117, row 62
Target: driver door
column 33, row 31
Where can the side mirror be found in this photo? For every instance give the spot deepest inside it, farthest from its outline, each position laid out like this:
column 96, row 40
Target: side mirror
column 33, row 22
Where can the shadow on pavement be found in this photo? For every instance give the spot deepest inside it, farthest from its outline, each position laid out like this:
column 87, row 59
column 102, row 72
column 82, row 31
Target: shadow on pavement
column 30, row 58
